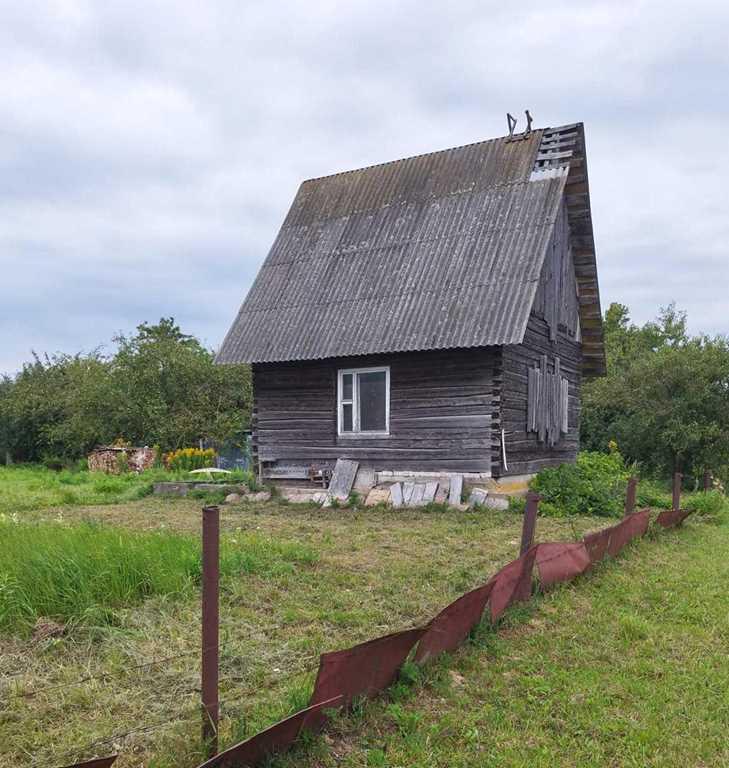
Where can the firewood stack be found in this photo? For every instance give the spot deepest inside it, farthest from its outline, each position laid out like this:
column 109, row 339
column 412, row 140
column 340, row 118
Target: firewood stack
column 114, row 461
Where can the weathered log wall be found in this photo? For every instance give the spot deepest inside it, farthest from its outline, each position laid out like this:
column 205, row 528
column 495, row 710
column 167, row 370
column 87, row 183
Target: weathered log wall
column 441, row 404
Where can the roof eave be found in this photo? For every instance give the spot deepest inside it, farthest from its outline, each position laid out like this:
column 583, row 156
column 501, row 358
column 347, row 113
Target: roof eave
column 566, row 144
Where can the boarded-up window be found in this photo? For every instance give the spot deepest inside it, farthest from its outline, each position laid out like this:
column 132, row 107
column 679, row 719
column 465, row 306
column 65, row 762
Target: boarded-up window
column 547, row 402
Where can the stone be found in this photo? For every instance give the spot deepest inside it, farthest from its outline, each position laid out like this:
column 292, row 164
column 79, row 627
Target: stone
column 171, row 489
column 304, row 495
column 47, row 628
column 478, row 497
column 497, row 502
column 233, row 498
column 456, row 678
column 260, row 496
column 378, row 495
column 342, row 480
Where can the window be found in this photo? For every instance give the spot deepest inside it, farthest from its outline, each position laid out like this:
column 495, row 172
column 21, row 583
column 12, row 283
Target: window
column 363, row 397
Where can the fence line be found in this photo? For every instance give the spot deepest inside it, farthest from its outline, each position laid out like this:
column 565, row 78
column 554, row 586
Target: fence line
column 347, row 674
column 368, row 668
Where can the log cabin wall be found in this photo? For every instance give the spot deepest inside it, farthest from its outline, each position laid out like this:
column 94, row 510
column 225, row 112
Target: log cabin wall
column 441, row 405
column 552, row 330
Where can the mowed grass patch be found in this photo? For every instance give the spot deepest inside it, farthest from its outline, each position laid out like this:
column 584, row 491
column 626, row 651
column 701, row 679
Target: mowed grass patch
column 84, row 572
column 628, row 666
column 376, row 571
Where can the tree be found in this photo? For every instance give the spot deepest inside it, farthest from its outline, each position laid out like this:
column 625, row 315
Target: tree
column 170, row 393
column 160, row 387
column 665, row 399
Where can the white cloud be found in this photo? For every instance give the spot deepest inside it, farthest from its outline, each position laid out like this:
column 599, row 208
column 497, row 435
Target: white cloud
column 148, row 151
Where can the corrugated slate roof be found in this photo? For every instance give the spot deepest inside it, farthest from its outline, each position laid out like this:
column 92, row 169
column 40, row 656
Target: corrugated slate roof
column 437, row 251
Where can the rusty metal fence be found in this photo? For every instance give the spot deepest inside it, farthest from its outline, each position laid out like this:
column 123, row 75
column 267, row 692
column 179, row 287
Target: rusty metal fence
column 367, row 669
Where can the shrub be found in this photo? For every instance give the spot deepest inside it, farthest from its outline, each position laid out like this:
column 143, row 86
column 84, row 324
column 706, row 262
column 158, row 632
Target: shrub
column 122, row 462
column 711, row 503
column 517, row 505
column 187, row 459
column 55, row 463
column 653, row 494
column 594, row 485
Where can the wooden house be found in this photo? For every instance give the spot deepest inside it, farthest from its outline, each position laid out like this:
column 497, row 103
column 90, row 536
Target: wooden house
column 435, row 314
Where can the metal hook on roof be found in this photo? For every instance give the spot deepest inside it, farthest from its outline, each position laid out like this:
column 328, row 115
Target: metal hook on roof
column 512, row 124
column 529, row 122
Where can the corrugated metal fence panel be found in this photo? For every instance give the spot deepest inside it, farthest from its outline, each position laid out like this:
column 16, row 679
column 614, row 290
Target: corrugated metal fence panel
column 365, row 669
column 276, row 738
column 668, row 518
column 512, row 584
column 630, row 527
column 453, row 624
column 438, row 251
column 97, row 762
column 561, row 561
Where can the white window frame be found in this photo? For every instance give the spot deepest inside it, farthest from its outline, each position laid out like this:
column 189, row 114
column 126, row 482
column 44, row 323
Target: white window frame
column 355, row 401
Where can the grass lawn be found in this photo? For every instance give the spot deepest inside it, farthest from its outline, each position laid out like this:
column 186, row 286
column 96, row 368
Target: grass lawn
column 25, row 488
column 626, row 667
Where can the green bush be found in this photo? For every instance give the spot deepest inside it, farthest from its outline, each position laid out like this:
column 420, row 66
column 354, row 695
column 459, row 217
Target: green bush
column 711, row 503
column 517, row 505
column 55, row 463
column 653, row 494
column 594, row 485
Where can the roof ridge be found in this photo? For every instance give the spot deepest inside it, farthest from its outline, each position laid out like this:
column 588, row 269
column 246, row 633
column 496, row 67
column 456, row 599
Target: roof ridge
column 507, row 139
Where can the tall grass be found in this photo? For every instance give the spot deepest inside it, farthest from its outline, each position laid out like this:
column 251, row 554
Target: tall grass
column 85, row 572
column 34, row 487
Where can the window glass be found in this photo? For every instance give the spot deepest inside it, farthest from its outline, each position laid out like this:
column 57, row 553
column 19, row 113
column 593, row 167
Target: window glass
column 372, row 395
column 347, row 386
column 347, row 418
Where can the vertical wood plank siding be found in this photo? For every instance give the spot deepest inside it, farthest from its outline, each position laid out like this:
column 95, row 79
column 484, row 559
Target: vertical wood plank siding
column 441, row 405
column 552, row 331
column 524, row 452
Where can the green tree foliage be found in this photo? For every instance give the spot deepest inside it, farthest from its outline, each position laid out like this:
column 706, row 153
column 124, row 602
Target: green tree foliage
column 160, row 387
column 665, row 399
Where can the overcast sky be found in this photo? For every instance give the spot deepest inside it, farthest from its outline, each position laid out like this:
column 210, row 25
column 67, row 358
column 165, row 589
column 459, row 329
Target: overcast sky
column 149, row 151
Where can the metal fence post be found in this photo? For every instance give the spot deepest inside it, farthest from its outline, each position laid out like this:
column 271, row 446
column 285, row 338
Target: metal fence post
column 707, row 480
column 210, row 619
column 677, row 478
column 630, row 495
column 530, row 521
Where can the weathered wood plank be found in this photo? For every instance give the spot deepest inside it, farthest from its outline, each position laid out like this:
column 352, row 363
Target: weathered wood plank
column 431, row 488
column 396, row 495
column 416, row 497
column 456, row 490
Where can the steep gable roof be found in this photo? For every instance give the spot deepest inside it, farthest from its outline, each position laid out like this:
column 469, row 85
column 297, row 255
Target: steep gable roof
column 437, row 251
